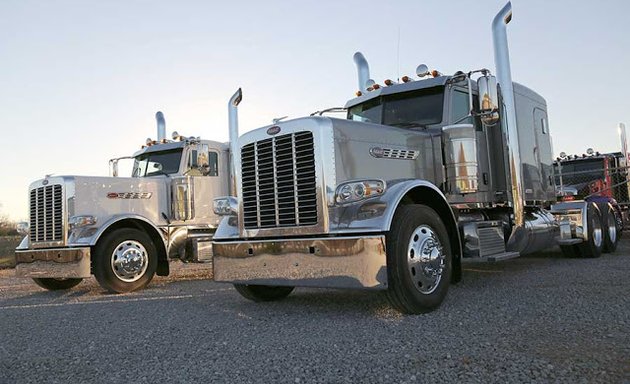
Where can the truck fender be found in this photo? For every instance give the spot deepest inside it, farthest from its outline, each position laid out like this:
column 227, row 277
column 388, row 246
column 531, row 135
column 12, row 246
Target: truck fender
column 424, row 192
column 144, row 224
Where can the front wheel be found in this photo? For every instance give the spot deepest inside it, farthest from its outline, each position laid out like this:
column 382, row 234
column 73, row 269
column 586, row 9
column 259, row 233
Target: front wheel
column 54, row 284
column 125, row 260
column 260, row 293
column 419, row 260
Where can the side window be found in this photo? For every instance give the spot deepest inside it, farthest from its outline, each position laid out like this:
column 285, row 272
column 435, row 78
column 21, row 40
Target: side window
column 460, row 108
column 203, row 162
column 213, row 164
column 543, row 124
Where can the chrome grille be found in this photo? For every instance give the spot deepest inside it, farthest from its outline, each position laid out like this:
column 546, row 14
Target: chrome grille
column 46, row 213
column 279, row 182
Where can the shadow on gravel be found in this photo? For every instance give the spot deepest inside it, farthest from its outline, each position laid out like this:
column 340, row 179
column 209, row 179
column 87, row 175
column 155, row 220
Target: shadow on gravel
column 320, row 305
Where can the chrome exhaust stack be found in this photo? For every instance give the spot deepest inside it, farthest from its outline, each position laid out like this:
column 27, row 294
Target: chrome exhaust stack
column 518, row 239
column 233, row 124
column 624, row 141
column 363, row 70
column 161, row 126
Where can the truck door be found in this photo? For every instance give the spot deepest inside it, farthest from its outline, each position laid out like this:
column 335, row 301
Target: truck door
column 204, row 166
column 544, row 155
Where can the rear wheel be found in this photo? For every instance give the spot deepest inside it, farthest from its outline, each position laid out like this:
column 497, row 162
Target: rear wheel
column 54, row 284
column 609, row 228
column 260, row 293
column 594, row 245
column 419, row 260
column 125, row 260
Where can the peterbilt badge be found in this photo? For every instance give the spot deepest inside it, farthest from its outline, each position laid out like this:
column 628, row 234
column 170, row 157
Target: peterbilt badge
column 273, row 130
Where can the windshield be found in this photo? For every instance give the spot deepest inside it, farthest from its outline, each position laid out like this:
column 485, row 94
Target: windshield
column 409, row 109
column 157, row 163
column 578, row 172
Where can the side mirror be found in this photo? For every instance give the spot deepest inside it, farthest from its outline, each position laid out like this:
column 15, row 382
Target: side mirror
column 202, row 156
column 114, row 167
column 488, row 99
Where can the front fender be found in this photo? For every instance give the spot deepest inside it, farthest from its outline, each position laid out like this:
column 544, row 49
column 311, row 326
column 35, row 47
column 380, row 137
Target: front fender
column 377, row 214
column 90, row 235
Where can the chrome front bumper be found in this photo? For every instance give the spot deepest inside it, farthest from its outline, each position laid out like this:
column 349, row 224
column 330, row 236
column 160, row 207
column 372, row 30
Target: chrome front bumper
column 55, row 263
column 341, row 262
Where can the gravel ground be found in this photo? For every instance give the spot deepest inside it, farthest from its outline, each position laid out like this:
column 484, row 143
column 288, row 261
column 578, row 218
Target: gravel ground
column 533, row 319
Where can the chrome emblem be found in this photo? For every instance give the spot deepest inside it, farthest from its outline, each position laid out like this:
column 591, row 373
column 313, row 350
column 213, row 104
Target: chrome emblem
column 394, row 153
column 273, row 130
column 45, row 182
column 129, row 195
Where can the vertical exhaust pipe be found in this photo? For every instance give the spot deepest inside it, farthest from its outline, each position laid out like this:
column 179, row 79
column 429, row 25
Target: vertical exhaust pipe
column 233, row 124
column 518, row 239
column 363, row 70
column 624, row 141
column 161, row 126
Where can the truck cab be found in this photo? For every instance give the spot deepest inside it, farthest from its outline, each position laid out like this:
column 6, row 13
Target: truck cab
column 123, row 230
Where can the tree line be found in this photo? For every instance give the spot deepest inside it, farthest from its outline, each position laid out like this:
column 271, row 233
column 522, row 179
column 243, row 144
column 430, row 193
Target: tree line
column 7, row 227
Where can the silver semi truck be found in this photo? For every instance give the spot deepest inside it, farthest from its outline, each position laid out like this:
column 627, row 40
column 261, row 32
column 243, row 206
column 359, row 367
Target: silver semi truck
column 420, row 176
column 123, row 230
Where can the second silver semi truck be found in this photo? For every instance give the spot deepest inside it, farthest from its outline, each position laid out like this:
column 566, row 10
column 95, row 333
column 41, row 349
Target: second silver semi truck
column 420, row 176
column 123, row 230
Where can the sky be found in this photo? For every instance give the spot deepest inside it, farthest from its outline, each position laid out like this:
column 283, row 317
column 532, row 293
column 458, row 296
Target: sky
column 80, row 81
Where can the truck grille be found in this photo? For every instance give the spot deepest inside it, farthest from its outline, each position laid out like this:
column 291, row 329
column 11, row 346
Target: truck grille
column 278, row 182
column 46, row 213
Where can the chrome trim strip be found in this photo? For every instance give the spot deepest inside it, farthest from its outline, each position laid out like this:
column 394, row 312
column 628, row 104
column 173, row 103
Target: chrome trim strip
column 257, row 185
column 295, row 181
column 274, row 161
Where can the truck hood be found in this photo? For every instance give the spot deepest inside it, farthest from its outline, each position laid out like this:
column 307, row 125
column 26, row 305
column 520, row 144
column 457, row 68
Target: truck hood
column 107, row 197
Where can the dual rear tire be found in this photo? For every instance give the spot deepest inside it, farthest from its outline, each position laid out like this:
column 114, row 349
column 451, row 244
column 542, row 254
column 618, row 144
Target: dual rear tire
column 602, row 233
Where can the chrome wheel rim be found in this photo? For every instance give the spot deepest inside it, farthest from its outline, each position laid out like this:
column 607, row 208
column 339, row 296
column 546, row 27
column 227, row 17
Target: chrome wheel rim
column 129, row 261
column 612, row 228
column 425, row 259
column 597, row 232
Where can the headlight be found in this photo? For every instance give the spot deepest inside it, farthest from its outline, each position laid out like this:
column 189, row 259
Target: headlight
column 81, row 221
column 225, row 206
column 356, row 190
column 23, row 228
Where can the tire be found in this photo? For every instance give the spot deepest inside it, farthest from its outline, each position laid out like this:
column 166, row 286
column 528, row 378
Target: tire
column 619, row 220
column 415, row 285
column 125, row 260
column 593, row 247
column 609, row 228
column 54, row 284
column 259, row 293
